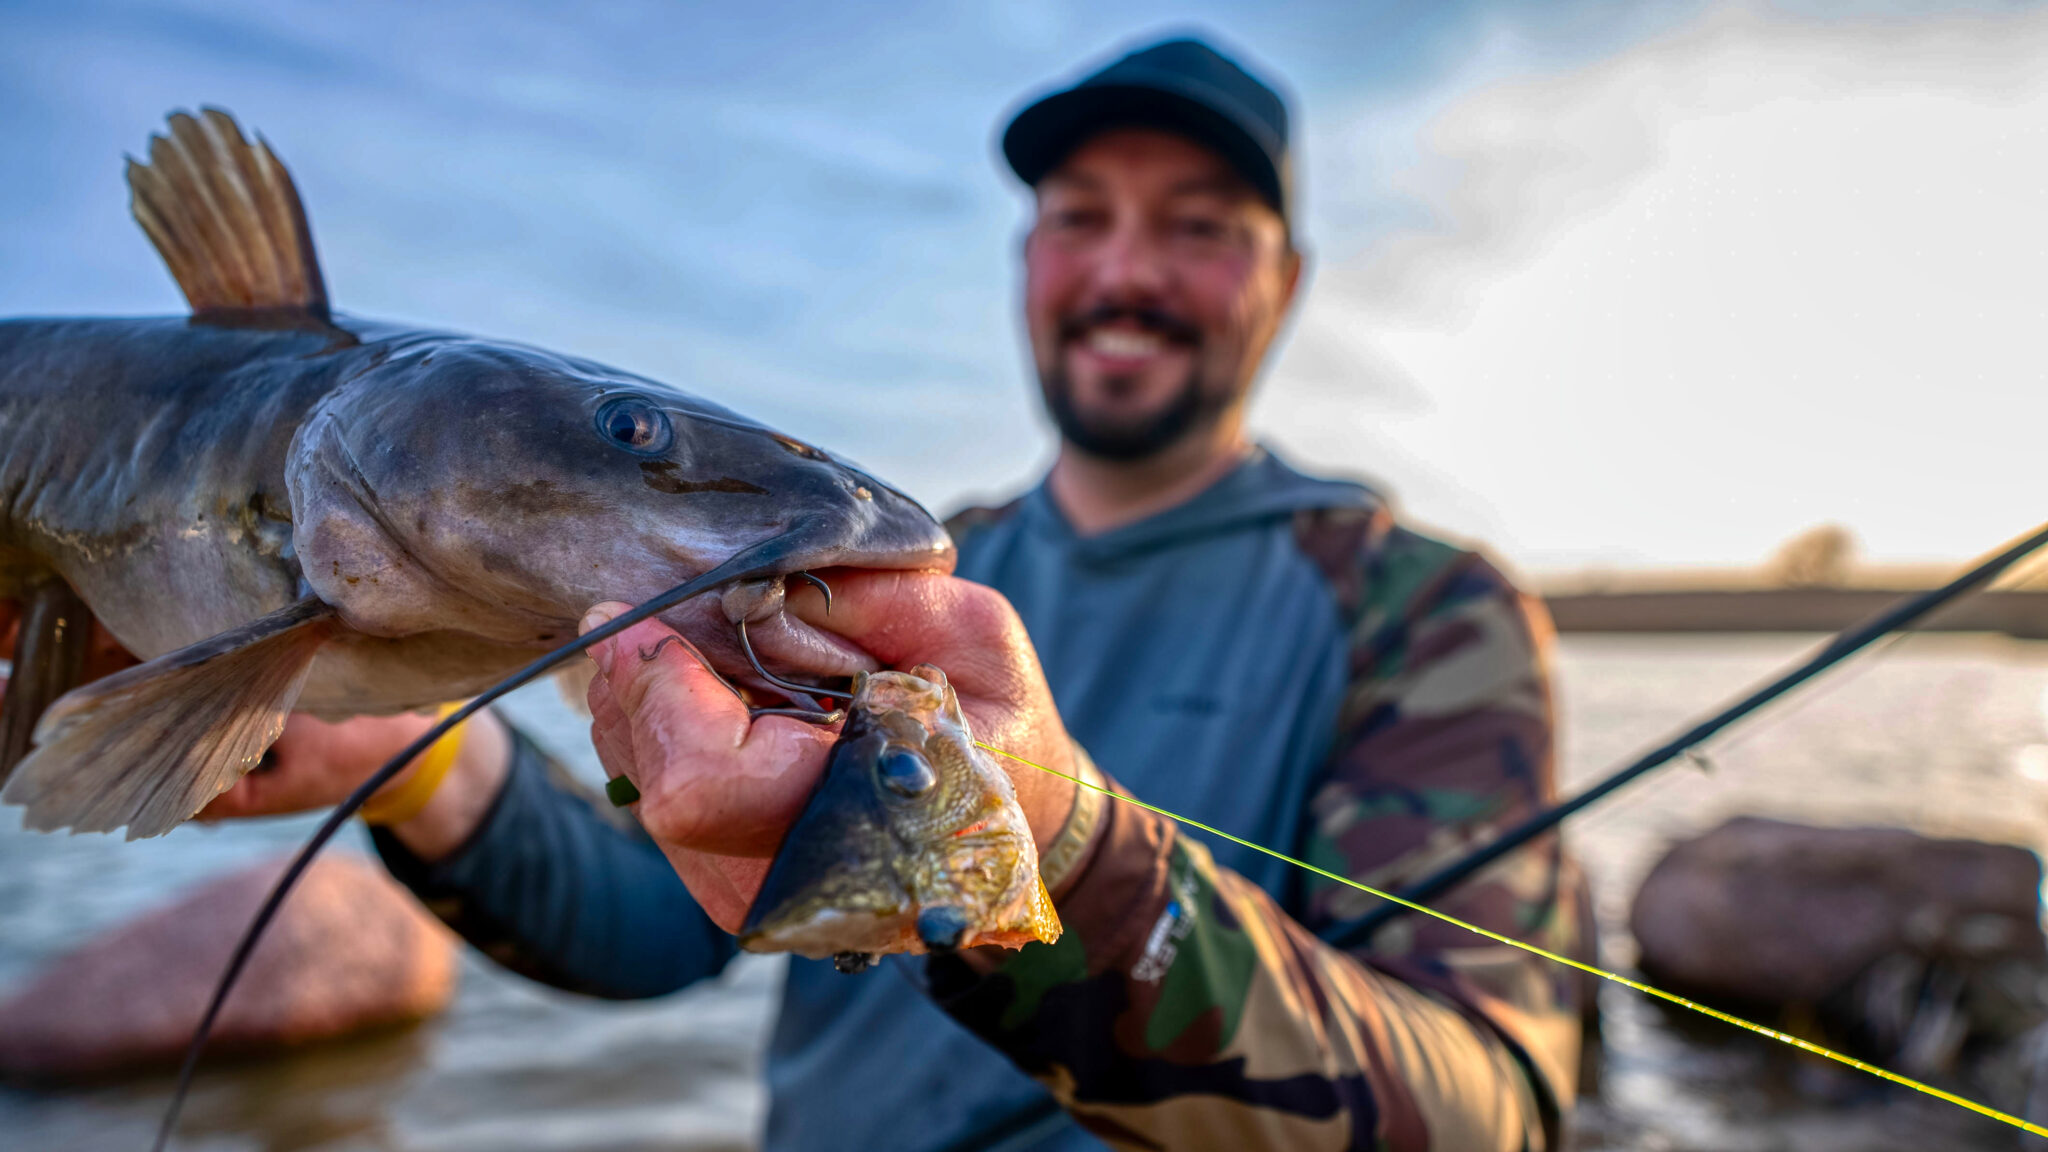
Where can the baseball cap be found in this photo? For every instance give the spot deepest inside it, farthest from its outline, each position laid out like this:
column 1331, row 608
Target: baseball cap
column 1181, row 85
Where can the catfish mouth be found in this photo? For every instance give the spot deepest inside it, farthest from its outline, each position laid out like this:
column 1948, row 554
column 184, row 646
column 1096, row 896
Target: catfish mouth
column 746, row 635
column 778, row 642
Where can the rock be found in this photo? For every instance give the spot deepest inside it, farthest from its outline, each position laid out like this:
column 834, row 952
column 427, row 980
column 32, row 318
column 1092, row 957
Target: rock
column 350, row 951
column 1765, row 912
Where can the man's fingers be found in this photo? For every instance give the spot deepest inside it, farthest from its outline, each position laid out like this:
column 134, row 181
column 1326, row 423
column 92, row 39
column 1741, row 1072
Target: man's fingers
column 265, row 792
column 905, row 617
column 708, row 777
column 610, row 733
column 654, row 677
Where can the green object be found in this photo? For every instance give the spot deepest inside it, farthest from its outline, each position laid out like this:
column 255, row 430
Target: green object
column 621, row 791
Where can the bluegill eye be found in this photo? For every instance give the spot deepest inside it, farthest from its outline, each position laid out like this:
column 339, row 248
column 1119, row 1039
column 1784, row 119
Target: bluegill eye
column 635, row 425
column 905, row 772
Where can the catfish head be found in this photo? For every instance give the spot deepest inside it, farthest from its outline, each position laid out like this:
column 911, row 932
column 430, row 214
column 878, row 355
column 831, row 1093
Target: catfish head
column 912, row 841
column 497, row 490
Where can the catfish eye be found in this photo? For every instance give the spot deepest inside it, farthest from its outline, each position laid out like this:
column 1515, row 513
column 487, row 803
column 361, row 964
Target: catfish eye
column 905, row 772
column 635, row 425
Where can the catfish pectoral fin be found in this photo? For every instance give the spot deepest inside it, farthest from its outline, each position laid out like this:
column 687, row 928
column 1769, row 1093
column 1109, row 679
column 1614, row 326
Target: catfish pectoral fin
column 49, row 660
column 149, row 746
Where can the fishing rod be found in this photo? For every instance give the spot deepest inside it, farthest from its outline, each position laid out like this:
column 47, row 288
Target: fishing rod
column 1357, row 933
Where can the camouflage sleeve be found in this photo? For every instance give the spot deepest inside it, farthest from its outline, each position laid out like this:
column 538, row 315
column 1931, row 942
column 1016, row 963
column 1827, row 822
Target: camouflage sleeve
column 1185, row 1008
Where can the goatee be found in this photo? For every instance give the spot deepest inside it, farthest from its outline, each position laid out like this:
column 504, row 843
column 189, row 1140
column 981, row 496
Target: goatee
column 1192, row 408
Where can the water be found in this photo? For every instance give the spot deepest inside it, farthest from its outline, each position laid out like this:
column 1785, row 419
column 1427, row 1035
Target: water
column 1947, row 735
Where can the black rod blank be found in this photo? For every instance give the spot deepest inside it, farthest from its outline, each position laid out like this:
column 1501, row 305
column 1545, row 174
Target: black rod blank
column 1359, row 932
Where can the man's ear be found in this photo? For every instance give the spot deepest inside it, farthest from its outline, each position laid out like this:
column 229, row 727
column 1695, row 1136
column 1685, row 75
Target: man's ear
column 1292, row 265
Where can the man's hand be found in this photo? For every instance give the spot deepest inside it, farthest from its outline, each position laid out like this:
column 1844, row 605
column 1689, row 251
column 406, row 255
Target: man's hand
column 718, row 791
column 316, row 764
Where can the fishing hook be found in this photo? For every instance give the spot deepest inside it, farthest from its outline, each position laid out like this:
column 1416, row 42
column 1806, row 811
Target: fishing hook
column 747, row 647
column 808, row 708
column 821, row 586
column 807, row 715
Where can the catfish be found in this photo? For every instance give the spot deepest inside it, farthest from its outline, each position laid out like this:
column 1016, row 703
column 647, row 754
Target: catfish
column 278, row 507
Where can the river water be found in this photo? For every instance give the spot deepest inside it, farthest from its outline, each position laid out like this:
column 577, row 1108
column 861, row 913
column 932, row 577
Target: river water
column 1947, row 735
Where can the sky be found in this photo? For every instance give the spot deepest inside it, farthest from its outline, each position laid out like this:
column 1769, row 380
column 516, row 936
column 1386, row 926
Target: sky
column 1598, row 284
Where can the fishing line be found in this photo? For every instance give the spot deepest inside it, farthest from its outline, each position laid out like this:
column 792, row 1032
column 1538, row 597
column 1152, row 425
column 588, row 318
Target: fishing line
column 760, row 560
column 740, row 566
column 1807, row 1046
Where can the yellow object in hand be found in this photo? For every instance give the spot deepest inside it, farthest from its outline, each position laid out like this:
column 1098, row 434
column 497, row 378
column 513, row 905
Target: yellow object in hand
column 407, row 800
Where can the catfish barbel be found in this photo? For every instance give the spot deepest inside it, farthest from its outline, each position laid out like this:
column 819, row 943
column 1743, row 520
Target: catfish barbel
column 281, row 508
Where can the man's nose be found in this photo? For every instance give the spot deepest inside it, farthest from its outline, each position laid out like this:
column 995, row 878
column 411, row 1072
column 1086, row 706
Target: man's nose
column 1129, row 265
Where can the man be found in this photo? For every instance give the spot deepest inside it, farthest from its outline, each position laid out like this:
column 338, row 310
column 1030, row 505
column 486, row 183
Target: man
column 1257, row 649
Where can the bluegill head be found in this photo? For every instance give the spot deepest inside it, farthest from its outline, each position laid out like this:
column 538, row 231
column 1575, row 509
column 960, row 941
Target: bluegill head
column 489, row 488
column 913, row 839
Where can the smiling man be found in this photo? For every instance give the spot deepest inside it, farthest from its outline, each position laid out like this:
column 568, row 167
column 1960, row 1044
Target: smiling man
column 1264, row 651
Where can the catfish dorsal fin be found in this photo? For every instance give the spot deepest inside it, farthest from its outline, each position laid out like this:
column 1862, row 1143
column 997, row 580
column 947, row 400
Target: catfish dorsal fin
column 227, row 220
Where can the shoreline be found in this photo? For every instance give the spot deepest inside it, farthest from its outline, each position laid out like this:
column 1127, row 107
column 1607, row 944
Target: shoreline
column 2021, row 614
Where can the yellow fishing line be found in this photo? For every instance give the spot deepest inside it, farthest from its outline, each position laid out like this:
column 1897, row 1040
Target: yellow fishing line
column 1659, row 993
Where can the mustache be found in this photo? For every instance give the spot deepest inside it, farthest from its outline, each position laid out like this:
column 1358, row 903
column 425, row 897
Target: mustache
column 1154, row 320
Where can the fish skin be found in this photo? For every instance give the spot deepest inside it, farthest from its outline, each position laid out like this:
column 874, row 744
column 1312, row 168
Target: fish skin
column 867, row 869
column 450, row 497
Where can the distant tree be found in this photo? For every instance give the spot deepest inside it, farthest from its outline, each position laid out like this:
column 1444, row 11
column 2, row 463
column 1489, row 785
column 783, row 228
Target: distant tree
column 1819, row 557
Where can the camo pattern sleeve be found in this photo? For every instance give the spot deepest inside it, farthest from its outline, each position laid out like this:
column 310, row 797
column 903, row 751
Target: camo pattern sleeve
column 1184, row 1007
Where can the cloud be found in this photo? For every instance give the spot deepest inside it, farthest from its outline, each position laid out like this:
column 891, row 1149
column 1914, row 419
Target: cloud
column 1677, row 304
column 1559, row 250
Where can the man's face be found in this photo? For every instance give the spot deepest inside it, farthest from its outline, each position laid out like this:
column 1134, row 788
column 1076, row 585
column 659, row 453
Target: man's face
column 1155, row 278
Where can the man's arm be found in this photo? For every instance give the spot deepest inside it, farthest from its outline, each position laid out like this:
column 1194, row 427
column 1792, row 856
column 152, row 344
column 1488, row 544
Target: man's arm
column 1184, row 1007
column 562, row 891
column 508, row 850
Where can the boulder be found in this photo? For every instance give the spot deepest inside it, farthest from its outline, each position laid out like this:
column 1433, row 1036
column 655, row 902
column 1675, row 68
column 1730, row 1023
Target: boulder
column 350, row 951
column 1766, row 912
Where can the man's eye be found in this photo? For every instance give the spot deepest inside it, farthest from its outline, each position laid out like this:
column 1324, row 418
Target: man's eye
column 1073, row 219
column 1200, row 228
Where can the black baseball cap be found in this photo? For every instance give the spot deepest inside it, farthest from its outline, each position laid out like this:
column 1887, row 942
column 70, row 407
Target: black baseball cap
column 1181, row 85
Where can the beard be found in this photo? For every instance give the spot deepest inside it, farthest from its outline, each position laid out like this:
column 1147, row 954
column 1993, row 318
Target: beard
column 1192, row 408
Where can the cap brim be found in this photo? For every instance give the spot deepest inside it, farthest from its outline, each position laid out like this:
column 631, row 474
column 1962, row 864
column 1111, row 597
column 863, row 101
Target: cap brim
column 1044, row 134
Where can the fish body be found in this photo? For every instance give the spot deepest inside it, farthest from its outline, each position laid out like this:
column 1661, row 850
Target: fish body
column 279, row 507
column 450, row 497
column 912, row 841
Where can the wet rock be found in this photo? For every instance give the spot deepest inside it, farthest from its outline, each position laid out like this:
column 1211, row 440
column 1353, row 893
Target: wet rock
column 1766, row 912
column 1925, row 955
column 350, row 951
